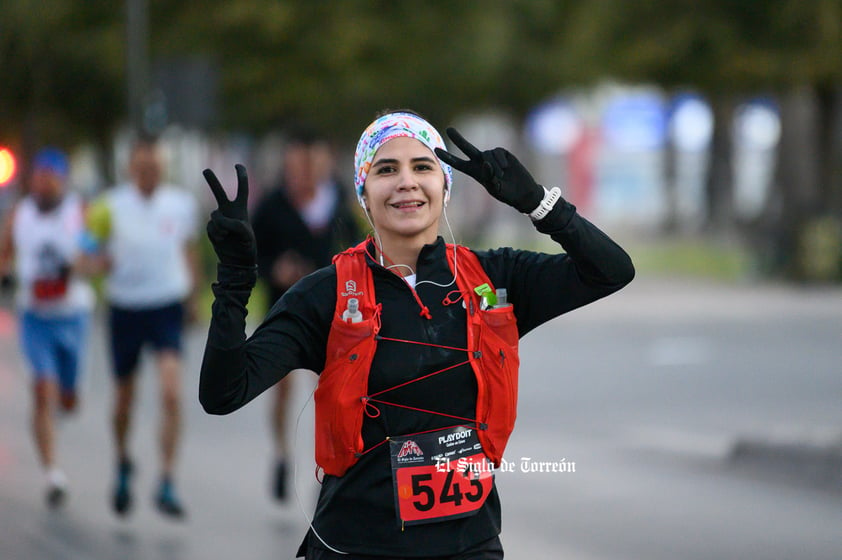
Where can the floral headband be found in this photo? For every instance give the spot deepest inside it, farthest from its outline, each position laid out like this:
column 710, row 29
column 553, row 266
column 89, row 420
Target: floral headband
column 388, row 127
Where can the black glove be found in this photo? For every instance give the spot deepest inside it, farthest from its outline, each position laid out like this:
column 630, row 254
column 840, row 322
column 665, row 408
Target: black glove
column 228, row 229
column 500, row 172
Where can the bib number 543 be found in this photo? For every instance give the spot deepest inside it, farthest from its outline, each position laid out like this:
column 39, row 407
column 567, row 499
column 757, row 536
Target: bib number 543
column 429, row 494
column 424, row 487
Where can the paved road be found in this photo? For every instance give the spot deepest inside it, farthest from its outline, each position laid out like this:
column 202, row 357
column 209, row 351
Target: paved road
column 646, row 392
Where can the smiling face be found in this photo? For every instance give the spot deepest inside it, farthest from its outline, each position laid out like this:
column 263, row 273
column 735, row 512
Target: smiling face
column 404, row 192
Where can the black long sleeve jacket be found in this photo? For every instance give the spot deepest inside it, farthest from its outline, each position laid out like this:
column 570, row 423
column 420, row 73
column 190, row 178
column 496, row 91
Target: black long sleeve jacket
column 356, row 512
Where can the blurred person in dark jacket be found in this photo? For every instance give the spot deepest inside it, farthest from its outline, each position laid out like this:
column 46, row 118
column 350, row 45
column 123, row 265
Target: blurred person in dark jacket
column 299, row 226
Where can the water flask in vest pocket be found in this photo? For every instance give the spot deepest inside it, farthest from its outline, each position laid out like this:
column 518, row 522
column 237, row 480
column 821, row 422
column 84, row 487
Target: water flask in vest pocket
column 352, row 314
column 502, row 299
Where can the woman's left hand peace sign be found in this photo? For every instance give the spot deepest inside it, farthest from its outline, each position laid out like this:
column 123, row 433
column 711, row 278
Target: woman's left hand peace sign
column 498, row 170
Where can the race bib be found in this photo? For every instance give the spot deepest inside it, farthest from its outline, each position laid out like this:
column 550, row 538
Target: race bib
column 49, row 289
column 439, row 475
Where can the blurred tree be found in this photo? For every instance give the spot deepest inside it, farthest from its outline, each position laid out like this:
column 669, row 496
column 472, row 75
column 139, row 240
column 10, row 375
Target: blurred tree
column 336, row 63
column 731, row 50
column 61, row 68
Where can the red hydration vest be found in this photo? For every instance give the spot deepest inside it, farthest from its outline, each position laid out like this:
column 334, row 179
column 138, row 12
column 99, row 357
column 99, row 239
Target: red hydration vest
column 342, row 394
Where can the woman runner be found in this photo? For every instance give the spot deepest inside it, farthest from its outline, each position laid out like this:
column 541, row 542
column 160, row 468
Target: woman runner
column 415, row 340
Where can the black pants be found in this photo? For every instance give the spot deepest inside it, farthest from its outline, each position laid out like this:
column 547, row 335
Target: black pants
column 491, row 549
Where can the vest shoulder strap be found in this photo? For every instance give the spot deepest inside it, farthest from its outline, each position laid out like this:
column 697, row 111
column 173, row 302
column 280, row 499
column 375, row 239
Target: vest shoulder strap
column 354, row 280
column 469, row 271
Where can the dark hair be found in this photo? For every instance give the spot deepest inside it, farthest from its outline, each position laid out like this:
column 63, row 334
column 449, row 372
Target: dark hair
column 144, row 142
column 300, row 134
column 384, row 112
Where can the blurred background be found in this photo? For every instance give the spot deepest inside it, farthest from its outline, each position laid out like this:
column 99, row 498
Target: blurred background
column 706, row 137
column 718, row 124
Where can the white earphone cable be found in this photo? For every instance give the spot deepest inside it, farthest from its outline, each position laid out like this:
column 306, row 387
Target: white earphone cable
column 295, row 477
column 379, row 244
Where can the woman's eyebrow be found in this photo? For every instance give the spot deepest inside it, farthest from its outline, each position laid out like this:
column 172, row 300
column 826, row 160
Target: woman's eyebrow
column 393, row 161
column 383, row 161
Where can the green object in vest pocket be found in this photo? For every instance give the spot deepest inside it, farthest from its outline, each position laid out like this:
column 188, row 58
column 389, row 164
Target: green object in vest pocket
column 489, row 298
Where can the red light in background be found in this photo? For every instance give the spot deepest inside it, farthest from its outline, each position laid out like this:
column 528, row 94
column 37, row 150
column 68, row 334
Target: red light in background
column 8, row 166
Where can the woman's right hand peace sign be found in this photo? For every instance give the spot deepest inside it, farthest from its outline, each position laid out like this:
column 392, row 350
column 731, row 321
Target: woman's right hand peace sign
column 237, row 208
column 228, row 229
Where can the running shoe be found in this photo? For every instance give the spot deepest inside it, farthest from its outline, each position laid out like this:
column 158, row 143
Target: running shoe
column 279, row 487
column 122, row 498
column 167, row 501
column 56, row 496
column 56, row 488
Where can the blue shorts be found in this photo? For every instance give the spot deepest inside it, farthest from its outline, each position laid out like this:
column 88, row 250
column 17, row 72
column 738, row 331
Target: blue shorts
column 54, row 346
column 132, row 329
